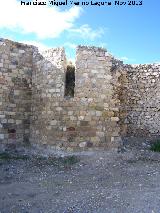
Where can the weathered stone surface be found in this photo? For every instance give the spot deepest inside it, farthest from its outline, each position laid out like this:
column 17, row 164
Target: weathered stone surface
column 110, row 99
column 15, row 82
column 139, row 93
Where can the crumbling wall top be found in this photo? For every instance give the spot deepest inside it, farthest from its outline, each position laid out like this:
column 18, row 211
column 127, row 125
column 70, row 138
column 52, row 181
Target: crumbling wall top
column 19, row 45
column 91, row 48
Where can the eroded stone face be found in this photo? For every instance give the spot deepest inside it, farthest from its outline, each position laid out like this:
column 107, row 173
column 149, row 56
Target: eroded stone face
column 84, row 121
column 140, row 99
column 15, row 91
column 110, row 99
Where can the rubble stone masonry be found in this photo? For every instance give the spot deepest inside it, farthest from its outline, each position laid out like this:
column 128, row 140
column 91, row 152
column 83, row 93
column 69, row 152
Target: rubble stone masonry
column 140, row 100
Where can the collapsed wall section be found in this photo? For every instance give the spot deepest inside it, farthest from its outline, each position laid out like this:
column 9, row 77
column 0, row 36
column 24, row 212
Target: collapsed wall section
column 15, row 91
column 140, row 100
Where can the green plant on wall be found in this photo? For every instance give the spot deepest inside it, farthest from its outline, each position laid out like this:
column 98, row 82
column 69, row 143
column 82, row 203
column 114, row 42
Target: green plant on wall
column 156, row 146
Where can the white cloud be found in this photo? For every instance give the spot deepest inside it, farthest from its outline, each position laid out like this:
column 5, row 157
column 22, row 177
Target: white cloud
column 44, row 21
column 86, row 32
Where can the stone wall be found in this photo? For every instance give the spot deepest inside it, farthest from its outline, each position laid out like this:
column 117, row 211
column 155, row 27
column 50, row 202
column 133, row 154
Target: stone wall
column 139, row 93
column 98, row 103
column 89, row 119
column 110, row 99
column 15, row 91
column 47, row 94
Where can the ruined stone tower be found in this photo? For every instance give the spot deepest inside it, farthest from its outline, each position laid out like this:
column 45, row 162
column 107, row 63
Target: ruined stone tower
column 109, row 99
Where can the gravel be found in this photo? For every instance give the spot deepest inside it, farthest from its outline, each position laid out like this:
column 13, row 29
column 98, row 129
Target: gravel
column 98, row 182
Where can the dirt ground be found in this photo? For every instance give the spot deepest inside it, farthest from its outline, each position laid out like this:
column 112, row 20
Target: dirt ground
column 89, row 182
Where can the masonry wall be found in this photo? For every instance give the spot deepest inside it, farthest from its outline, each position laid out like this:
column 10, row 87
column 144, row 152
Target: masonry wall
column 139, row 94
column 47, row 95
column 99, row 104
column 15, row 91
column 87, row 120
column 110, row 99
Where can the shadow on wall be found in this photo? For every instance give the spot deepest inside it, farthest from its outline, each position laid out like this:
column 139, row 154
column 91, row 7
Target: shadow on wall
column 70, row 81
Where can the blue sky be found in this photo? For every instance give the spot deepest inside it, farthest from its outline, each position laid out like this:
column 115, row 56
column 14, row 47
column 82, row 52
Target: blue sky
column 130, row 33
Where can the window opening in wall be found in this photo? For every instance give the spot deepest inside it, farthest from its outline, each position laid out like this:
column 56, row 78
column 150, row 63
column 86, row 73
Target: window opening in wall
column 70, row 81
